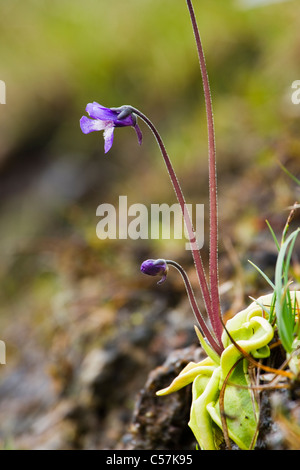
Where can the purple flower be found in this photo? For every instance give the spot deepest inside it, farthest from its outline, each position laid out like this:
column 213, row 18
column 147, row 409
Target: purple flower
column 156, row 267
column 106, row 119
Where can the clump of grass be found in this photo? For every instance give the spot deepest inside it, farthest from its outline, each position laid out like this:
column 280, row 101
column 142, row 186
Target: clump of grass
column 284, row 308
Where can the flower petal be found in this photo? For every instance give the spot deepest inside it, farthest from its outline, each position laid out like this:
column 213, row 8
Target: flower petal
column 96, row 111
column 108, row 138
column 139, row 134
column 89, row 125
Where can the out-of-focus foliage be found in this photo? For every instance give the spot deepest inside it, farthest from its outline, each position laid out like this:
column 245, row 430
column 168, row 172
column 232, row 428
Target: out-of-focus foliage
column 61, row 287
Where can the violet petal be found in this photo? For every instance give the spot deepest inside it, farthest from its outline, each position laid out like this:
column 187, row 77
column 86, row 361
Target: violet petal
column 89, row 125
column 138, row 133
column 108, row 138
column 96, row 111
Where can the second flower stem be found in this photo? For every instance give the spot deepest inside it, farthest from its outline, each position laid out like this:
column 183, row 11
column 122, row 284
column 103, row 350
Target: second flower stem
column 188, row 223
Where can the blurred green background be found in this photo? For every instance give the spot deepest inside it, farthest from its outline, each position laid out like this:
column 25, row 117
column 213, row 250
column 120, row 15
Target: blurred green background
column 64, row 292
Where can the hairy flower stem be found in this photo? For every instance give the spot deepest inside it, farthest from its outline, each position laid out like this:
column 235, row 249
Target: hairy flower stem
column 213, row 255
column 195, row 307
column 187, row 219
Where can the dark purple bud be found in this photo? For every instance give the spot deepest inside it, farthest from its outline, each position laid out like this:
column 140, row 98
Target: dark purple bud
column 155, row 267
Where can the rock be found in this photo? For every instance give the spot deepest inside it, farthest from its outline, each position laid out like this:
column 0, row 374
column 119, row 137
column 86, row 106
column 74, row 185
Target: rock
column 160, row 423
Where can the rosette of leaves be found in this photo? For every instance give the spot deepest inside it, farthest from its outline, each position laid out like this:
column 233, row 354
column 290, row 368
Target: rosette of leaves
column 221, row 391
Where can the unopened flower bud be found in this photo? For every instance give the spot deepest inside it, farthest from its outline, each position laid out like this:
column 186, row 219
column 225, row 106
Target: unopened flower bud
column 155, row 267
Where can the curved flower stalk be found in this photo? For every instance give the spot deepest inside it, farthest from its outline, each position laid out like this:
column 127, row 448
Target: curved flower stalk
column 161, row 267
column 212, row 308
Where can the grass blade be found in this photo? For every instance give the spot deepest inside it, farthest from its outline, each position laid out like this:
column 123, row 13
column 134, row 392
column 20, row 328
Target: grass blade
column 263, row 275
column 284, row 316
